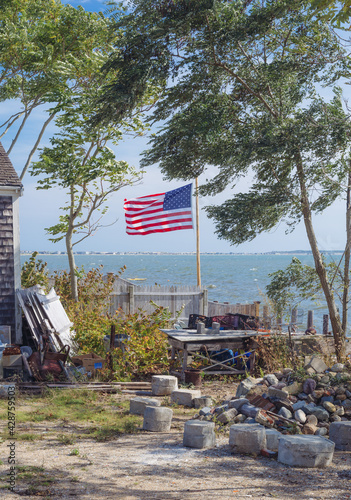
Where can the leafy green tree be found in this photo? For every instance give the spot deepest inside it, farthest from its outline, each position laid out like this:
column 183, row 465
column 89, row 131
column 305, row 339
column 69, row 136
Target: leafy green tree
column 243, row 98
column 338, row 13
column 81, row 162
column 46, row 52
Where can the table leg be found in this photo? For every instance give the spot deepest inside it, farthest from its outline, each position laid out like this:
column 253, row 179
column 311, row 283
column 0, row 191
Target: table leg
column 185, row 363
column 173, row 351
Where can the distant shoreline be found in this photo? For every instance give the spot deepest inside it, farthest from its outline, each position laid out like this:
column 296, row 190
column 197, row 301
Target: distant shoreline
column 277, row 252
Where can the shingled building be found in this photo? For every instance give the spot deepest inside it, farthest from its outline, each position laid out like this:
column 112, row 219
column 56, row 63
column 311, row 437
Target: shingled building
column 10, row 267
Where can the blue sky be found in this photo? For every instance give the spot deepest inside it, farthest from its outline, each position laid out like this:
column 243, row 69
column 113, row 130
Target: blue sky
column 39, row 209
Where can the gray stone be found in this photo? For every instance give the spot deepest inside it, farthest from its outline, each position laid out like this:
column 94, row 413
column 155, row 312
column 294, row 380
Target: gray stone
column 338, row 367
column 238, row 403
column 340, row 434
column 220, row 409
column 317, row 364
column 250, row 420
column 299, row 405
column 137, row 405
column 305, row 451
column 284, row 412
column 202, row 401
column 244, row 387
column 199, row 434
column 244, row 438
column 227, row 416
column 272, row 439
column 321, row 431
column 277, row 393
column 240, row 419
column 300, row 416
column 325, row 379
column 163, row 385
column 346, row 404
column 205, row 411
column 249, row 410
column 321, row 414
column 185, row 396
column 157, row 419
column 312, row 419
column 271, row 379
column 327, row 399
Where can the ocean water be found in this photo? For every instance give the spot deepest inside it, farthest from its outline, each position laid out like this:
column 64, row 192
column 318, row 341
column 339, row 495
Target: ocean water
column 229, row 278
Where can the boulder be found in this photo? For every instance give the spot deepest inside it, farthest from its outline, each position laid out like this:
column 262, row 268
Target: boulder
column 305, row 451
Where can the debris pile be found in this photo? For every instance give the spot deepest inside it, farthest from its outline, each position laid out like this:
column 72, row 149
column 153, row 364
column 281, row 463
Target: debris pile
column 291, row 406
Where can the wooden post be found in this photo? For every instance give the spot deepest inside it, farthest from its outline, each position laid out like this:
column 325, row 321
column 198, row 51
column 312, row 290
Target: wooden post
column 112, row 337
column 309, row 319
column 205, row 302
column 198, row 270
column 294, row 316
column 131, row 299
column 325, row 324
column 257, row 308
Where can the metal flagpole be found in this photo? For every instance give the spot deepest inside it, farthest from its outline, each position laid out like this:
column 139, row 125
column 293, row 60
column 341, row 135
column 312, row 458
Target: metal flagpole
column 198, row 271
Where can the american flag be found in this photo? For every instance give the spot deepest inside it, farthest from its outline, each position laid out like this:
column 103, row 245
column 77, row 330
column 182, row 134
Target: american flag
column 159, row 213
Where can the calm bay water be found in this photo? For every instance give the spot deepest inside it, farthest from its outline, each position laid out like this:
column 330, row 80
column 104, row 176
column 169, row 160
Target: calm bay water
column 228, row 278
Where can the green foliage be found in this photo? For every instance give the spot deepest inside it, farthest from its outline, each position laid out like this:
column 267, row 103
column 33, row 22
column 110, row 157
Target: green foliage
column 273, row 353
column 146, row 347
column 338, row 13
column 34, row 272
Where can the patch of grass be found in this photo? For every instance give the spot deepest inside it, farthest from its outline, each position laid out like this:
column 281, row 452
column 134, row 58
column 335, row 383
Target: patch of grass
column 75, row 452
column 66, row 439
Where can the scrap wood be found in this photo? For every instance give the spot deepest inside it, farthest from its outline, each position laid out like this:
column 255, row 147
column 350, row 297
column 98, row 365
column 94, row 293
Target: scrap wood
column 288, row 420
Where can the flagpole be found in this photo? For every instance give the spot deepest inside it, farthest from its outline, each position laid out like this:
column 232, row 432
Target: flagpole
column 198, row 272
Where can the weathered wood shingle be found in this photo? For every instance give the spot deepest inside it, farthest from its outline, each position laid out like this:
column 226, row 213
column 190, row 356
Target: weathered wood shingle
column 8, row 175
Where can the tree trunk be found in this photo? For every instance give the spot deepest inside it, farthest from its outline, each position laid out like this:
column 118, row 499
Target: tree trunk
column 346, row 277
column 72, row 265
column 338, row 333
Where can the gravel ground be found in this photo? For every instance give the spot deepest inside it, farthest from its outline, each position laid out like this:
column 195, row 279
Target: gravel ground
column 156, row 466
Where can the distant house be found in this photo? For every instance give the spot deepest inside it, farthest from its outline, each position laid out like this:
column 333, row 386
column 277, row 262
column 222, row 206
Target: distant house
column 10, row 266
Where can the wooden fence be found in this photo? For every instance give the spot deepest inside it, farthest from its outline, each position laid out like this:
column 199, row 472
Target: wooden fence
column 191, row 299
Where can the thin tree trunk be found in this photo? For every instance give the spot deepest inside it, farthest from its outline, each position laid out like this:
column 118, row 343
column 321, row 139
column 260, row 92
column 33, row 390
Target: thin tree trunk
column 69, row 248
column 338, row 333
column 30, row 156
column 346, row 280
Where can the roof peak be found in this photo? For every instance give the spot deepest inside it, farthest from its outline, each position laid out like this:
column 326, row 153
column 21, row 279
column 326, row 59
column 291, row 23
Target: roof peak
column 8, row 175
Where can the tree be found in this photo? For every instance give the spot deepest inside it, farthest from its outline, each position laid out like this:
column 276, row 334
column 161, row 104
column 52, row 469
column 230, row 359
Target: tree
column 81, row 162
column 244, row 99
column 45, row 54
column 337, row 13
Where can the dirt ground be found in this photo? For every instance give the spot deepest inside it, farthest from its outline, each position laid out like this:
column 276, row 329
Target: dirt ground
column 156, row 466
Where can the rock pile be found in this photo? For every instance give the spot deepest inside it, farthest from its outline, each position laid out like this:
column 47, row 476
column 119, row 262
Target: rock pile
column 293, row 407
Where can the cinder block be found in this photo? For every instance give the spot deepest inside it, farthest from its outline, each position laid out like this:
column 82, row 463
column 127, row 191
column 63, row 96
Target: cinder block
column 199, row 434
column 163, row 385
column 185, row 397
column 247, row 438
column 305, row 451
column 340, row 434
column 202, row 402
column 137, row 405
column 157, row 419
column 272, row 438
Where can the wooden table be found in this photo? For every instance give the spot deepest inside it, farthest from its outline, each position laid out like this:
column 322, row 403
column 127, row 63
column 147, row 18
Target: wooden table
column 189, row 341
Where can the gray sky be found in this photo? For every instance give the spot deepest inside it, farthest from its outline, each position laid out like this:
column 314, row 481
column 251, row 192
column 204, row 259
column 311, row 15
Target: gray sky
column 39, row 209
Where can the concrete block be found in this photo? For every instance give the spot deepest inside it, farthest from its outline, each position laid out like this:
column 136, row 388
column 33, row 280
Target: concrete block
column 163, row 385
column 305, row 451
column 249, row 410
column 244, row 387
column 247, row 438
column 202, row 402
column 317, row 364
column 199, row 434
column 137, row 405
column 157, row 419
column 227, row 416
column 185, row 397
column 272, row 438
column 340, row 434
column 238, row 403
